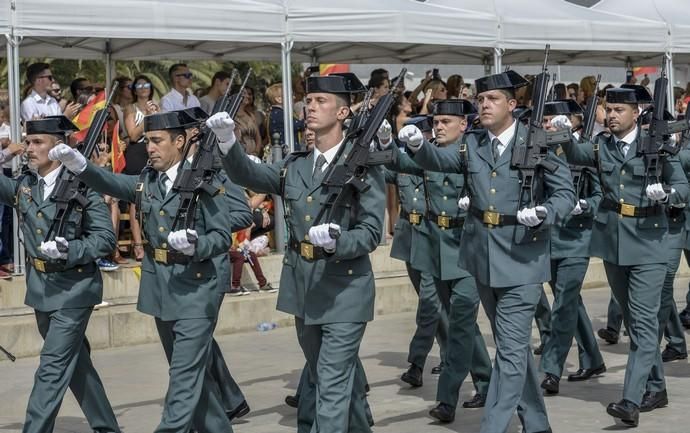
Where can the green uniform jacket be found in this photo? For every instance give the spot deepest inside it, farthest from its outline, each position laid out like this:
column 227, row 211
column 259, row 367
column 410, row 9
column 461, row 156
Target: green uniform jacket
column 508, row 255
column 81, row 284
column 571, row 237
column 174, row 291
column 680, row 224
column 442, row 193
column 341, row 287
column 625, row 240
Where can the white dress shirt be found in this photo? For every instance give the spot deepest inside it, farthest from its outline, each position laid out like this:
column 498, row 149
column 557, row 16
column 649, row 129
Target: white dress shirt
column 174, row 101
column 628, row 139
column 50, row 179
column 329, row 155
column 172, row 175
column 504, row 137
column 35, row 106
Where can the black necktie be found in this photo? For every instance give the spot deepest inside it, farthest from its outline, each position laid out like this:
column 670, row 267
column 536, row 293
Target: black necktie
column 494, row 148
column 318, row 169
column 41, row 190
column 161, row 184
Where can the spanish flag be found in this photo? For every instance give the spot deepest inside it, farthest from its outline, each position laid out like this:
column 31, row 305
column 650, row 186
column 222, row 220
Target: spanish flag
column 117, row 153
column 331, row 68
column 85, row 117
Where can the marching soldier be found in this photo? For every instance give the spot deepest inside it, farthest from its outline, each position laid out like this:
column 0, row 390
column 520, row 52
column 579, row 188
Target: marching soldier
column 570, row 240
column 63, row 282
column 410, row 244
column 180, row 285
column 326, row 283
column 630, row 234
column 508, row 248
column 466, row 351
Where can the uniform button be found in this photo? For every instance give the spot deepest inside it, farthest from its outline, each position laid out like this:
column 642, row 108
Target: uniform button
column 623, row 172
column 416, row 190
column 427, row 177
column 161, row 229
column 164, row 245
column 490, row 226
column 307, row 218
column 492, row 191
column 40, row 215
column 445, row 183
column 493, row 174
column 491, row 207
column 306, row 237
column 79, row 270
column 621, row 201
column 534, row 239
column 309, row 199
column 337, row 261
column 443, row 212
column 414, row 198
column 198, row 274
column 349, row 272
column 161, row 213
column 39, row 231
column 656, row 225
column 287, row 208
column 622, row 186
column 445, row 197
column 443, row 228
column 580, row 225
column 285, row 261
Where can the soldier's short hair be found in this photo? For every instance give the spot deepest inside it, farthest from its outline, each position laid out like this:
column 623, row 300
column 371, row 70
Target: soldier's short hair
column 174, row 133
column 510, row 93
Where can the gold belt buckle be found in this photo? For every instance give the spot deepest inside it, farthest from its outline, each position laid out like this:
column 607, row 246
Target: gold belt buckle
column 443, row 221
column 306, row 250
column 490, row 217
column 160, row 255
column 40, row 265
column 627, row 210
column 415, row 218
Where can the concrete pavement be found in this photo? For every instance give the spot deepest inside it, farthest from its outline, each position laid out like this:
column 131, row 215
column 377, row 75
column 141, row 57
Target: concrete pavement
column 267, row 366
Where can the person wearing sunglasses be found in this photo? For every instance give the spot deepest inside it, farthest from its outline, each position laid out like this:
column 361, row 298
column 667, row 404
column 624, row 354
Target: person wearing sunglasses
column 39, row 103
column 179, row 97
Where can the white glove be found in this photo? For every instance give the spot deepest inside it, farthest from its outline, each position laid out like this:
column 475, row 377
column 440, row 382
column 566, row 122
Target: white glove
column 179, row 241
column 464, row 203
column 528, row 216
column 138, row 118
column 384, row 134
column 656, row 192
column 70, row 158
column 223, row 126
column 412, row 136
column 320, row 236
column 561, row 122
column 578, row 207
column 50, row 248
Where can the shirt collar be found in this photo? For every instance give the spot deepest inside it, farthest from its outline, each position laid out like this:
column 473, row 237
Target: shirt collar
column 629, row 138
column 37, row 98
column 329, row 154
column 172, row 172
column 506, row 136
column 51, row 177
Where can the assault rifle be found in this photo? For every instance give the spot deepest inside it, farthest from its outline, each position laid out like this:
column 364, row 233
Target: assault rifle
column 197, row 178
column 656, row 145
column 69, row 192
column 580, row 181
column 349, row 178
column 529, row 157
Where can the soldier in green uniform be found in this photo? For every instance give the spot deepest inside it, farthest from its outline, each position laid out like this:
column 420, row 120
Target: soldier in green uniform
column 62, row 280
column 466, row 350
column 630, row 234
column 570, row 240
column 180, row 286
column 509, row 248
column 410, row 244
column 326, row 283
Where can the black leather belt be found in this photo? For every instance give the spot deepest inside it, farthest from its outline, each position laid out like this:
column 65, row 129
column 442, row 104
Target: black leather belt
column 307, row 250
column 414, row 218
column 47, row 267
column 167, row 257
column 493, row 218
column 629, row 210
column 445, row 221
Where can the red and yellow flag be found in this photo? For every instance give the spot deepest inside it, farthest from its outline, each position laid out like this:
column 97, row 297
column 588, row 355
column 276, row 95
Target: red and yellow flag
column 85, row 117
column 331, row 68
column 117, row 153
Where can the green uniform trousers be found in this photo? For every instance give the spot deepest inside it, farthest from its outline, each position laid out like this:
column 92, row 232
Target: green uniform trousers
column 669, row 321
column 193, row 395
column 567, row 275
column 431, row 319
column 335, row 392
column 637, row 289
column 230, row 391
column 514, row 380
column 65, row 361
column 589, row 355
column 543, row 317
column 466, row 351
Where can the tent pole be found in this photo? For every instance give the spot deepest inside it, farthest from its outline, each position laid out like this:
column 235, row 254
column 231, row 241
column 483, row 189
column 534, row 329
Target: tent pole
column 498, row 60
column 286, row 46
column 108, row 66
column 671, row 105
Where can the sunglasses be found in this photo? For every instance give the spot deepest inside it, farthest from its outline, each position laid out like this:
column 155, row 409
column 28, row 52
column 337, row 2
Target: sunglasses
column 142, row 86
column 49, row 77
column 187, row 75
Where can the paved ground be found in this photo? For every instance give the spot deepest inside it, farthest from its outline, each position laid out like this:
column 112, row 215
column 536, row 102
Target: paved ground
column 267, row 366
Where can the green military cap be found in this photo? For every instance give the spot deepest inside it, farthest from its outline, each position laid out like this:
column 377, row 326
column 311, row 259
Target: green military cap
column 162, row 121
column 563, row 106
column 424, row 123
column 453, row 107
column 352, row 83
column 54, row 125
column 505, row 80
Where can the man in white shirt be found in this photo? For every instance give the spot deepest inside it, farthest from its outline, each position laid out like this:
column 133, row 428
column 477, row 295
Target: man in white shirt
column 219, row 85
column 179, row 97
column 39, row 103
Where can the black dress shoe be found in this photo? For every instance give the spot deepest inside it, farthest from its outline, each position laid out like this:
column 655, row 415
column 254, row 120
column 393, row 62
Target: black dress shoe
column 443, row 412
column 608, row 335
column 586, row 373
column 653, row 400
column 670, row 354
column 550, row 384
column 539, row 350
column 479, row 400
column 239, row 411
column 438, row 369
column 626, row 411
column 292, row 400
column 685, row 318
column 413, row 376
